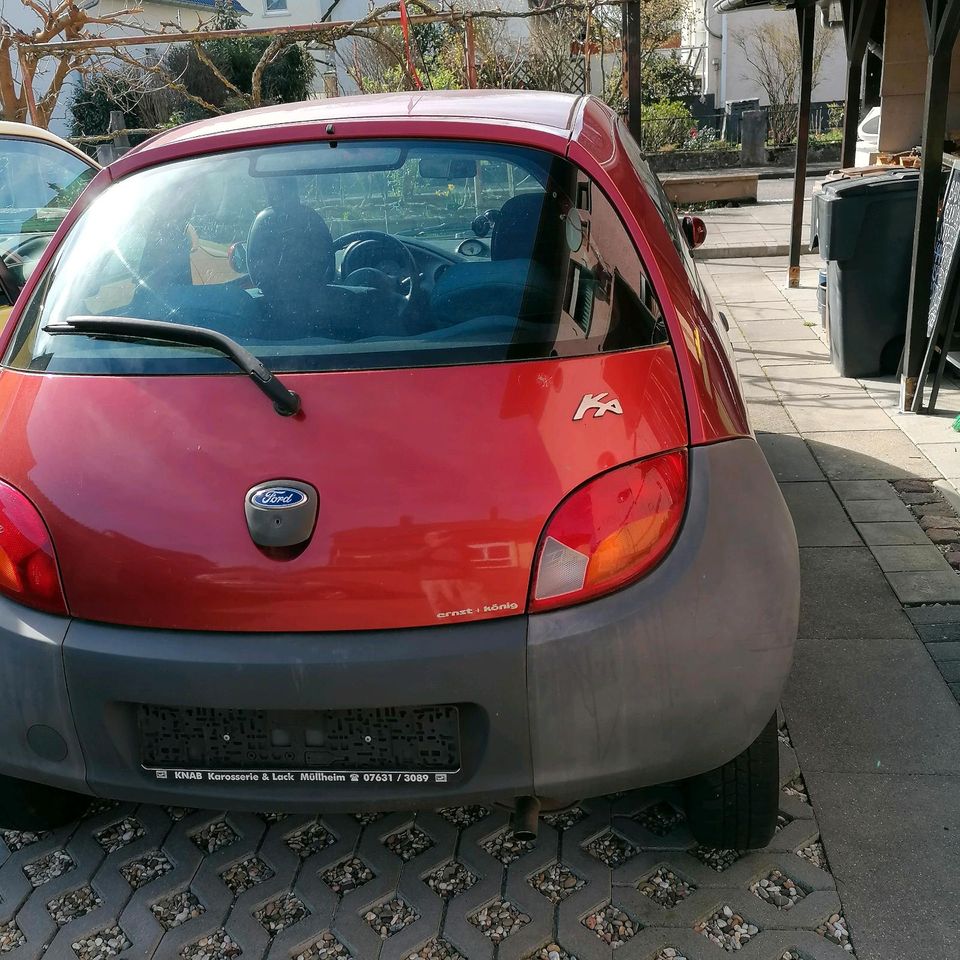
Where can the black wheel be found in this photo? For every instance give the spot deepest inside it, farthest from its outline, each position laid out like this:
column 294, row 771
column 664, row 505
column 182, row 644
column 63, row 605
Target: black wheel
column 35, row 806
column 735, row 806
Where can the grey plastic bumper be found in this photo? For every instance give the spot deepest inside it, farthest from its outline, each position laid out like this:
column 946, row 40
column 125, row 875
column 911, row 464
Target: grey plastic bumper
column 669, row 677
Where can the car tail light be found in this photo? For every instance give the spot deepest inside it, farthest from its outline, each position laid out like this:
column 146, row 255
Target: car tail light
column 610, row 531
column 28, row 567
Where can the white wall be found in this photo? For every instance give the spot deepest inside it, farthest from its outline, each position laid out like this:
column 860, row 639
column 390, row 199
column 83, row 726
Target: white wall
column 728, row 73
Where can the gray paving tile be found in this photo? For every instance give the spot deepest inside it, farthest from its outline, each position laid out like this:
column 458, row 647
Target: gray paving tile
column 897, row 559
column 864, row 490
column 894, row 533
column 895, row 841
column 926, row 586
column 935, row 613
column 845, row 595
column 864, row 511
column 843, row 694
column 944, row 652
column 870, row 455
column 950, row 671
column 788, row 457
column 818, row 516
column 938, row 632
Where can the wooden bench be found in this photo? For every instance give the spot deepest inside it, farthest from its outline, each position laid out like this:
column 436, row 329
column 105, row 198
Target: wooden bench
column 703, row 187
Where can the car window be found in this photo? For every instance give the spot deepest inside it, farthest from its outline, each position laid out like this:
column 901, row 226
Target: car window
column 661, row 201
column 39, row 182
column 362, row 254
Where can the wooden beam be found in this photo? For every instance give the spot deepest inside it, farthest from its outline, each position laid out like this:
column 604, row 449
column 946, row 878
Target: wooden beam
column 851, row 113
column 631, row 54
column 806, row 24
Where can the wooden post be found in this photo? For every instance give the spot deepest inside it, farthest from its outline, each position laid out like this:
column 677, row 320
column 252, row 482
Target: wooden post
column 806, row 24
column 851, row 113
column 631, row 66
column 26, row 81
column 858, row 20
column 471, row 54
column 942, row 22
column 118, row 127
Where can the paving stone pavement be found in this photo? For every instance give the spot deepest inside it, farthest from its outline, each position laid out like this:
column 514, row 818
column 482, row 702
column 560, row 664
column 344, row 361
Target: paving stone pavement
column 620, row 873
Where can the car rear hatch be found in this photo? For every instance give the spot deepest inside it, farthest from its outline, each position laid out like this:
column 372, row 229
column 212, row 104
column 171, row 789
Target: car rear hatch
column 434, row 485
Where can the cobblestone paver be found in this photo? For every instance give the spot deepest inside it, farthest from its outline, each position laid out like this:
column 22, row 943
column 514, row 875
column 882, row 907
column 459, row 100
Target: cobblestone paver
column 153, row 883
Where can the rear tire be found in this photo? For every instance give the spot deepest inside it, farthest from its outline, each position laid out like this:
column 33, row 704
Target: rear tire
column 735, row 806
column 36, row 806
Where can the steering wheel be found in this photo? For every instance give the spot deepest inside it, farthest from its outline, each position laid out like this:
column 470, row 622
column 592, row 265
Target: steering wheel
column 367, row 250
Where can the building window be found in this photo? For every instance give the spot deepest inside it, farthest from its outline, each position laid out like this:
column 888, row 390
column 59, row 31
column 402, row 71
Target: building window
column 275, row 6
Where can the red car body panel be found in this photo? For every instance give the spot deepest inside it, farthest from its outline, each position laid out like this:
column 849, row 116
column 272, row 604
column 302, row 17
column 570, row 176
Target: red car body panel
column 430, row 507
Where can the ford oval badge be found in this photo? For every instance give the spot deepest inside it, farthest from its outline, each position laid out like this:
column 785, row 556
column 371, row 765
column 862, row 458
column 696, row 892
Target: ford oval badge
column 278, row 498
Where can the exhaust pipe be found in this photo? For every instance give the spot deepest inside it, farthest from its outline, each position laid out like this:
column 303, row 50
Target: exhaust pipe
column 526, row 818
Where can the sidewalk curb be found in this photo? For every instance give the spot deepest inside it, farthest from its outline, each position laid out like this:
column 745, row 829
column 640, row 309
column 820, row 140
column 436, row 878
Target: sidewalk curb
column 748, row 250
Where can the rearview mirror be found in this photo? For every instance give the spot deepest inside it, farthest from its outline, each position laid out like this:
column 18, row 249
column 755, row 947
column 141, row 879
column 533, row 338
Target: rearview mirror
column 695, row 230
column 447, row 168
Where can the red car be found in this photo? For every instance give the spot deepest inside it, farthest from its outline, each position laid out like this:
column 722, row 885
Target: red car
column 483, row 520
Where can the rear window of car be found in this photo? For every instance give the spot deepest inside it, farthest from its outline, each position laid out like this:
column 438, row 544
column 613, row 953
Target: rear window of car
column 357, row 254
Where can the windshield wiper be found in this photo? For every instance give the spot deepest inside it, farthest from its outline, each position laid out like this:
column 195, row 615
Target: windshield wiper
column 285, row 401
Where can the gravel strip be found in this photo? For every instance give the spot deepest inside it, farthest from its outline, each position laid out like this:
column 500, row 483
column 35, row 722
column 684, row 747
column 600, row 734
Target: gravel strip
column 365, row 819
column 281, row 913
column 148, row 867
column 391, row 917
column 782, row 820
column 506, row 848
column 815, row 854
column 835, row 930
column 611, row 925
column 246, row 874
column 74, row 904
column 347, row 876
column 215, row 836
column 565, row 819
column 450, row 880
column 18, row 839
column 11, row 936
column 176, row 909
column 783, row 735
column 409, row 843
column 176, row 814
column 97, row 807
column 552, row 951
column 499, row 920
column 727, row 929
column 797, row 788
column 660, row 819
column 718, row 860
column 665, row 888
column 99, row 946
column 271, row 818
column 612, row 849
column 556, row 883
column 328, row 947
column 215, row 946
column 436, row 949
column 118, row 835
column 49, row 867
column 778, row 889
column 464, row 816
column 669, row 953
column 310, row 840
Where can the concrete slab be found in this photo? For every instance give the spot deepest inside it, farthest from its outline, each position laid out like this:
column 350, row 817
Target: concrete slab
column 944, row 652
column 935, row 613
column 866, row 683
column 767, row 414
column 764, row 331
column 944, row 456
column 814, row 414
column 926, row 586
column 906, row 558
column 883, row 455
column 865, row 490
column 792, row 352
column 926, row 428
column 893, row 533
column 789, row 457
column 894, row 844
column 845, row 595
column 865, row 511
column 818, row 516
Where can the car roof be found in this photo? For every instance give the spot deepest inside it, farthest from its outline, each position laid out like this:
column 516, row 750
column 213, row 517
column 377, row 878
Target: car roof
column 26, row 131
column 523, row 107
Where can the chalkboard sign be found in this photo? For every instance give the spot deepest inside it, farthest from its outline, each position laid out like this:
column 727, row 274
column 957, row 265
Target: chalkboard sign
column 945, row 256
